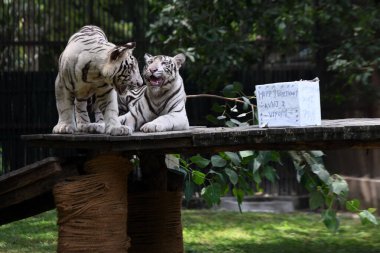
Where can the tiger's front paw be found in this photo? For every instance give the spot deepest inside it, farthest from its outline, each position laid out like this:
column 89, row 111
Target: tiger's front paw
column 119, row 130
column 62, row 128
column 152, row 127
column 92, row 128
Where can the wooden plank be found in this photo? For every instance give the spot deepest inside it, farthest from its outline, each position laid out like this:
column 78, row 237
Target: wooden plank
column 33, row 182
column 28, row 191
column 29, row 174
column 27, row 208
column 343, row 133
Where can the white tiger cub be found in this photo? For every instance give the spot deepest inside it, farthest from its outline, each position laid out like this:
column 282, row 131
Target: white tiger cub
column 160, row 105
column 90, row 65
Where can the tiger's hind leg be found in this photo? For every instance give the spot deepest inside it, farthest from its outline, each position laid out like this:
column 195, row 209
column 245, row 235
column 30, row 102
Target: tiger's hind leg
column 65, row 107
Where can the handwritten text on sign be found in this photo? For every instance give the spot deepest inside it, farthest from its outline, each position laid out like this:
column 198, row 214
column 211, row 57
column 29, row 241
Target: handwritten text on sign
column 288, row 104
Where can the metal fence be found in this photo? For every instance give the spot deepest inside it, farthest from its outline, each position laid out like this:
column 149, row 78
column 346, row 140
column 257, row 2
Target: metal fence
column 33, row 33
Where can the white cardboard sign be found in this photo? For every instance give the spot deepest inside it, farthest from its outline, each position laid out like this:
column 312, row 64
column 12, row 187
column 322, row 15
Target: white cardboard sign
column 289, row 104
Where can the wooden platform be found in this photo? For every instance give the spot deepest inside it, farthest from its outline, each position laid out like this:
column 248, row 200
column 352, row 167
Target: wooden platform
column 37, row 179
column 333, row 134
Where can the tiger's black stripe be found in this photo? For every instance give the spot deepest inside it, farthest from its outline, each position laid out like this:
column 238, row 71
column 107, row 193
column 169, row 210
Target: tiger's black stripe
column 85, row 71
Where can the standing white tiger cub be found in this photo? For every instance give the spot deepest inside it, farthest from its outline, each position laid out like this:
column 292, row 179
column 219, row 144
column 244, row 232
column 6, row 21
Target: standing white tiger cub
column 90, row 65
column 160, row 104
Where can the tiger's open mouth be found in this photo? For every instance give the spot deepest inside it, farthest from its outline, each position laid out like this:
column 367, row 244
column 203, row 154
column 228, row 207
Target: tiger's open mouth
column 156, row 81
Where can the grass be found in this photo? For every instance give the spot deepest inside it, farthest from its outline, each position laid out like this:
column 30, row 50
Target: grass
column 212, row 232
column 222, row 232
column 37, row 234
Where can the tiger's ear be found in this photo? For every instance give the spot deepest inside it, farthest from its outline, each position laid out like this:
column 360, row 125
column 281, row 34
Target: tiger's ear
column 117, row 52
column 179, row 59
column 147, row 57
column 120, row 50
column 130, row 45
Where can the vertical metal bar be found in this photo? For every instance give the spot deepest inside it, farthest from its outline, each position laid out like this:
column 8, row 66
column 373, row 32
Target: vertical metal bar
column 22, row 40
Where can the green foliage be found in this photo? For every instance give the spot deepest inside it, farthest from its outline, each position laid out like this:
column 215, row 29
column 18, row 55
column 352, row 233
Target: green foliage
column 230, row 172
column 223, row 37
column 327, row 192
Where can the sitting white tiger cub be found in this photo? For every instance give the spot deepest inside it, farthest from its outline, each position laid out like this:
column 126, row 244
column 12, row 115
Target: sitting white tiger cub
column 160, row 104
column 90, row 65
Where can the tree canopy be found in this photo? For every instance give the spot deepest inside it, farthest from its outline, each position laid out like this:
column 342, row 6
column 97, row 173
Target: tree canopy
column 342, row 38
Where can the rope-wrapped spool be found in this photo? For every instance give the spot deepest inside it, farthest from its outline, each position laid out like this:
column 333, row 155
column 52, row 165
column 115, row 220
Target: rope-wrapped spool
column 154, row 222
column 92, row 209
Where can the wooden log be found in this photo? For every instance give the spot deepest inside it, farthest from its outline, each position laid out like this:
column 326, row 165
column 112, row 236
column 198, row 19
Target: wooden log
column 175, row 181
column 153, row 171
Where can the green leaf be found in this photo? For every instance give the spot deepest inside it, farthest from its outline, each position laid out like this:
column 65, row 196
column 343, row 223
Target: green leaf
column 232, row 90
column 246, row 100
column 266, row 156
column 217, row 108
column 234, row 157
column 367, row 217
column 212, row 119
column 270, row 173
column 229, row 123
column 316, row 200
column 247, row 157
column 316, row 153
column 198, row 177
column 218, row 161
column 239, row 194
column 246, row 153
column 353, row 205
column 220, row 176
column 329, row 199
column 212, row 193
column 300, row 172
column 372, row 210
column 247, row 104
column 235, row 121
column 321, row 172
column 234, row 108
column 256, row 165
column 232, row 175
column 340, row 187
column 330, row 220
column 188, row 191
column 182, row 170
column 309, row 182
column 257, row 178
column 275, row 157
column 200, row 161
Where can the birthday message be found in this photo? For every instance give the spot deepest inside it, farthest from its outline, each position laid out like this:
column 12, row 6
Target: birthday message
column 288, row 104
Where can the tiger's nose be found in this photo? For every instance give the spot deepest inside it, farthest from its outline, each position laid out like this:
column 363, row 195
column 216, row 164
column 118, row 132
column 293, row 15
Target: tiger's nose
column 153, row 70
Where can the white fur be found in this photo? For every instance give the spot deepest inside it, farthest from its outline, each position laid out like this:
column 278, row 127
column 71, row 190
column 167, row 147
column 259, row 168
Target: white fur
column 162, row 106
column 87, row 70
